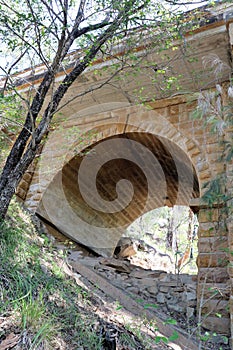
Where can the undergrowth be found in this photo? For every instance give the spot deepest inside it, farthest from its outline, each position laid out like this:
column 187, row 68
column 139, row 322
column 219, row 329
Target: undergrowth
column 41, row 307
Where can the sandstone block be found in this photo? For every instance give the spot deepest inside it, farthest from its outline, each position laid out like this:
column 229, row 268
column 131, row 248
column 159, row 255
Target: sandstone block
column 174, row 110
column 209, row 215
column 153, row 290
column 178, row 307
column 218, row 325
column 211, row 244
column 214, row 307
column 213, row 274
column 205, row 176
column 161, row 298
column 211, row 229
column 146, row 282
column 174, row 119
column 214, row 290
column 27, row 177
column 188, row 296
column 216, row 259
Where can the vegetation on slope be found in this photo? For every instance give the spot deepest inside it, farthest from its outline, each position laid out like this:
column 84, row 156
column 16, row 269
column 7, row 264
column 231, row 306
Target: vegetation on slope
column 42, row 307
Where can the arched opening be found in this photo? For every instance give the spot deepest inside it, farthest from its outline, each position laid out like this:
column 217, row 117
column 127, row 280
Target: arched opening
column 103, row 189
column 165, row 239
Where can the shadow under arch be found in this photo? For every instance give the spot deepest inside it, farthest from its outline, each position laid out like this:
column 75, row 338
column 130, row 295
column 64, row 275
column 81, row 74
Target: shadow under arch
column 104, row 188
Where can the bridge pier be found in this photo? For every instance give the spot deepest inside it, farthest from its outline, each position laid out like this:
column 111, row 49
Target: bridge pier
column 213, row 292
column 229, row 223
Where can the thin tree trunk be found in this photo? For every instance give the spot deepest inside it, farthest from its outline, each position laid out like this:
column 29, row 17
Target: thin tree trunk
column 13, row 179
column 22, row 155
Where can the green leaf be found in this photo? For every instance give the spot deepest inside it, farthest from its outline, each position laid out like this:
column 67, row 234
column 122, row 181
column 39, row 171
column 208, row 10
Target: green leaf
column 159, row 339
column 174, row 336
column 146, row 306
column 170, row 321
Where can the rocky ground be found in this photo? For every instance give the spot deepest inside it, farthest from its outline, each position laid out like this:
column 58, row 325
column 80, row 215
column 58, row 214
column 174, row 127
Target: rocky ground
column 143, row 278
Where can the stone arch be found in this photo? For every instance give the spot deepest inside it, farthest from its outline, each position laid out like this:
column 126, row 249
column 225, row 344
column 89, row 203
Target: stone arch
column 70, row 140
column 133, row 126
column 82, row 130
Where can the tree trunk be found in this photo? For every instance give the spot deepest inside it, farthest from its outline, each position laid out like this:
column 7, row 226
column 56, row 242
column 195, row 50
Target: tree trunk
column 12, row 180
column 22, row 154
column 5, row 198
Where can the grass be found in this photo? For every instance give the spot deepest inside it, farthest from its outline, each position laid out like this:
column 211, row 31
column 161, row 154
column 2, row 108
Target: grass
column 40, row 304
column 29, row 296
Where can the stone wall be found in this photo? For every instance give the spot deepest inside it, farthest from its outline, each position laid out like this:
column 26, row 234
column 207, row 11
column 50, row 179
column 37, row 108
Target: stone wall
column 169, row 294
column 170, row 119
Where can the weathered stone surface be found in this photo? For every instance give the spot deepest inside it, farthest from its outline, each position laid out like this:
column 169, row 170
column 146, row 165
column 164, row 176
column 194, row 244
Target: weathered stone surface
column 212, row 259
column 215, row 324
column 213, row 275
column 190, row 312
column 187, row 296
column 209, row 215
column 212, row 244
column 147, row 273
column 178, row 307
column 153, row 290
column 21, row 193
column 161, row 298
column 125, row 248
column 146, row 283
column 214, row 307
column 27, row 177
column 214, row 290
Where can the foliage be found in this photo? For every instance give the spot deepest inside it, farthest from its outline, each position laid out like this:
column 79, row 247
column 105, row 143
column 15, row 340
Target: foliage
column 153, row 228
column 50, row 37
column 215, row 108
column 42, row 305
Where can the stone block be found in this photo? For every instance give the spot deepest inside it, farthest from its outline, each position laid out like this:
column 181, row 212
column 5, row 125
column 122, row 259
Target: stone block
column 212, row 244
column 168, row 101
column 20, row 192
column 214, row 147
column 215, row 307
column 214, row 290
column 152, row 290
column 188, row 296
column 174, row 119
column 132, row 289
column 205, row 175
column 187, row 279
column 213, row 274
column 186, row 125
column 24, row 185
column 211, row 229
column 27, row 177
column 178, row 307
column 190, row 312
column 215, row 324
column 209, row 215
column 162, row 111
column 216, row 259
column 217, row 168
column 146, row 282
column 163, row 289
column 161, row 298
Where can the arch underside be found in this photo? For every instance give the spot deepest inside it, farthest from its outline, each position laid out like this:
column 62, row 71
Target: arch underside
column 103, row 189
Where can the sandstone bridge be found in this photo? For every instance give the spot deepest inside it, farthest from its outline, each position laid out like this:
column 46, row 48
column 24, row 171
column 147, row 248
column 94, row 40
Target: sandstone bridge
column 108, row 158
